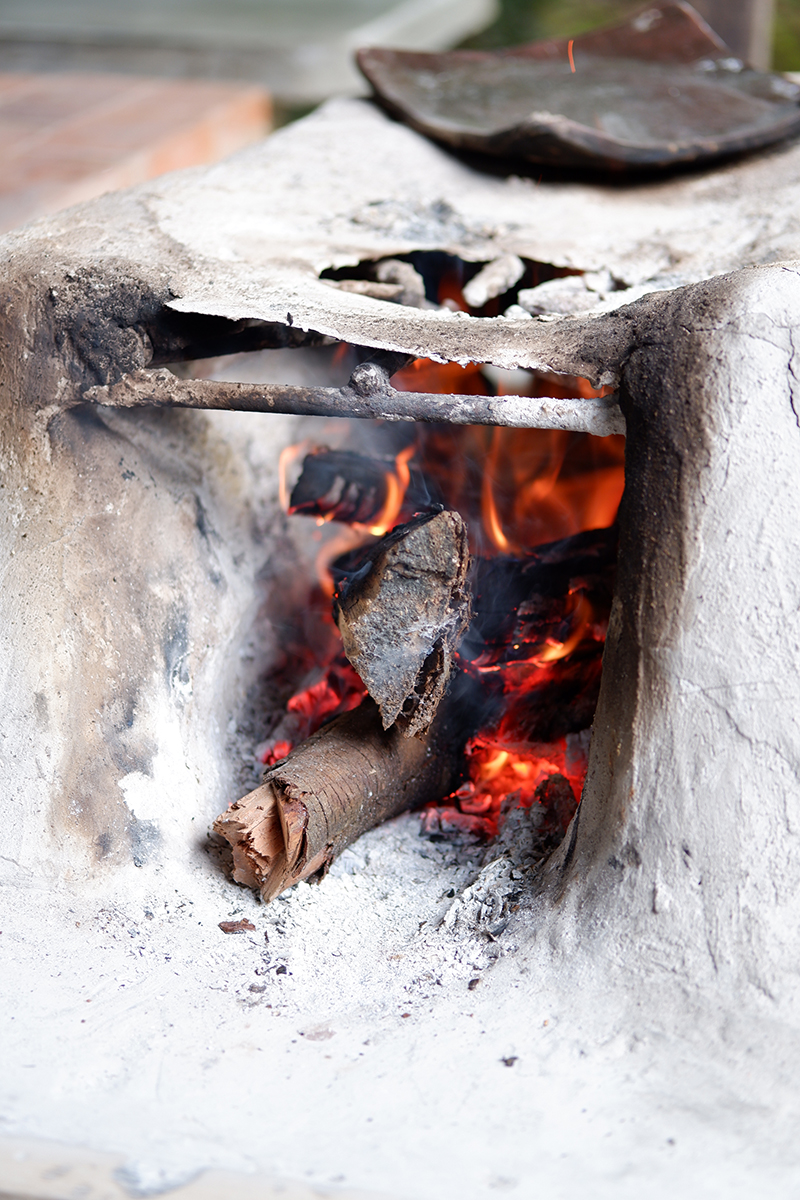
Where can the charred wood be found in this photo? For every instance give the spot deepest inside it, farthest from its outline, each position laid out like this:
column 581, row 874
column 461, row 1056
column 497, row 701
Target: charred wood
column 347, row 778
column 520, row 602
column 549, row 611
column 402, row 613
column 340, row 485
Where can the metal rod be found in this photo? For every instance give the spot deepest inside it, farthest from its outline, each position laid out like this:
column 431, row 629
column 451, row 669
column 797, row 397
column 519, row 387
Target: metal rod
column 368, row 395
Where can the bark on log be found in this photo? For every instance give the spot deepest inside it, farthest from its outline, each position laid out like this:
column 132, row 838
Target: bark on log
column 349, row 777
column 401, row 616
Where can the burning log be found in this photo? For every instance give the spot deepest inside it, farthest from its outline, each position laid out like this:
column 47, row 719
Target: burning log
column 401, row 615
column 536, row 640
column 347, row 778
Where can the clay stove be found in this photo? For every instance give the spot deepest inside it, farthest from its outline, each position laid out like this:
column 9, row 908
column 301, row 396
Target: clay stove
column 420, row 1025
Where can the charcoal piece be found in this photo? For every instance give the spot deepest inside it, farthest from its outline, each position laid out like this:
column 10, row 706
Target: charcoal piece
column 402, row 614
column 389, row 279
column 557, row 798
column 375, row 289
column 341, row 486
column 350, row 776
column 403, row 276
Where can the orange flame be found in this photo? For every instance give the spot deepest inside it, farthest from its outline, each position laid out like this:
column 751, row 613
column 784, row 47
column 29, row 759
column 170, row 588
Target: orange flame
column 347, row 538
column 554, row 650
column 492, row 766
column 491, row 520
column 350, row 537
column 396, row 487
column 288, row 457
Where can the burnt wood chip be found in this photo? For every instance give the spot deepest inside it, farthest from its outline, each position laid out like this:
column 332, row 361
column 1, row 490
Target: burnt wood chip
column 402, row 614
column 243, row 926
column 340, row 485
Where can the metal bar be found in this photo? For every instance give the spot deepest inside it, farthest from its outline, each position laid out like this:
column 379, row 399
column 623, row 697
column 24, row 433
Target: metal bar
column 367, row 396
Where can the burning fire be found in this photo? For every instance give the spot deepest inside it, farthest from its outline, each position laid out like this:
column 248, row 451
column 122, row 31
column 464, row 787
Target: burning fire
column 326, row 508
column 397, row 482
column 520, row 492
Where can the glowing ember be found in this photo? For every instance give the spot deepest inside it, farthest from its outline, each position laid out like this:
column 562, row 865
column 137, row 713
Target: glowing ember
column 338, row 691
column 397, row 482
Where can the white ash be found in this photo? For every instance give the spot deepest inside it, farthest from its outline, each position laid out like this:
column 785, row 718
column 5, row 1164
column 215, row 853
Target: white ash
column 493, row 280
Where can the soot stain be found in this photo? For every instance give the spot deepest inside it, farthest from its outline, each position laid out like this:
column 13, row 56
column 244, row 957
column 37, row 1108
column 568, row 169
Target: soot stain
column 42, row 712
column 201, row 519
column 176, row 652
column 144, row 838
column 103, row 843
column 129, row 750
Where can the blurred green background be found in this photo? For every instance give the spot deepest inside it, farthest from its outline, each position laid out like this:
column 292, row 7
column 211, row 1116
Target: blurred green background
column 524, row 20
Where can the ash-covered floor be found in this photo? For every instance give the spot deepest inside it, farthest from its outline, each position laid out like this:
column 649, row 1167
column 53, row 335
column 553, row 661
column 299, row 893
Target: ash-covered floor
column 393, row 1030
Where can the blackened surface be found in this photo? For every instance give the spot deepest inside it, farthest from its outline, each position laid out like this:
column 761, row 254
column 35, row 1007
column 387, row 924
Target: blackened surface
column 340, row 485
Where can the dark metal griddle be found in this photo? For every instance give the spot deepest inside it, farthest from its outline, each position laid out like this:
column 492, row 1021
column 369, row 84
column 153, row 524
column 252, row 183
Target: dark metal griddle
column 659, row 90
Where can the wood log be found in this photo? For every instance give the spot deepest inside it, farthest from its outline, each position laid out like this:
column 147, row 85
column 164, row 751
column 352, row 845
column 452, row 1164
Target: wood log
column 347, row 778
column 518, row 602
column 402, row 613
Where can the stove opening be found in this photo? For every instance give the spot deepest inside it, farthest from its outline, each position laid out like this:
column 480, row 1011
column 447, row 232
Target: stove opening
column 539, row 507
column 446, row 656
column 507, row 285
column 505, row 706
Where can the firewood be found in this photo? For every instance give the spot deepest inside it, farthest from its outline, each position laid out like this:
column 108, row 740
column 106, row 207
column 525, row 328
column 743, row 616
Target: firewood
column 347, row 778
column 519, row 601
column 402, row 614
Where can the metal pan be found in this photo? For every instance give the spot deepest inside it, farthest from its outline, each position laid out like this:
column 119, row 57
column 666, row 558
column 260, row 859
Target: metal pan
column 660, row 90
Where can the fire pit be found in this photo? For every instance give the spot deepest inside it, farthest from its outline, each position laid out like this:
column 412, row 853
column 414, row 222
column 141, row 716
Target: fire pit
column 428, row 1021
